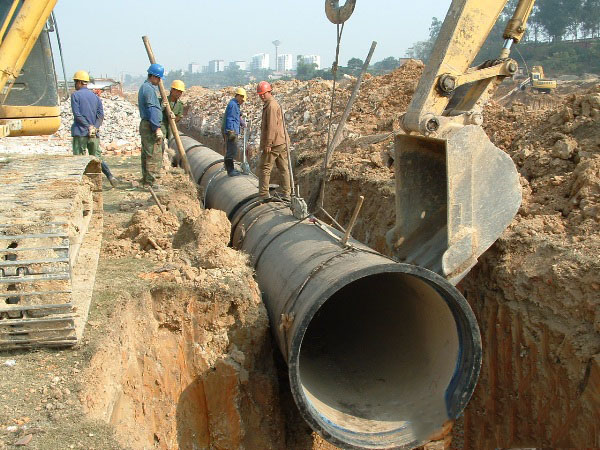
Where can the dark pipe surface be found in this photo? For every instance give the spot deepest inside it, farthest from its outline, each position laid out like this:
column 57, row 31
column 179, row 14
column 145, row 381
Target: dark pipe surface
column 380, row 354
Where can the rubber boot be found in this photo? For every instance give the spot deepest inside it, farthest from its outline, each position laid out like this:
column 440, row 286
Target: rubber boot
column 229, row 167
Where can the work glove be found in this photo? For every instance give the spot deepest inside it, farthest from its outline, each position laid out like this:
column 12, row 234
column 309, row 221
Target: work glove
column 172, row 115
column 242, row 122
column 164, row 105
column 231, row 135
column 159, row 135
column 93, row 132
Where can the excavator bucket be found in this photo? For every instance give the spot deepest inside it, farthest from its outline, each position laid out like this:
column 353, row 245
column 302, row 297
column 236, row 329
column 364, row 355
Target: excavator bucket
column 454, row 198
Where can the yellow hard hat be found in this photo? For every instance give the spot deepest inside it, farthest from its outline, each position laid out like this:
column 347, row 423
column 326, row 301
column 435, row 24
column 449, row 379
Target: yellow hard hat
column 82, row 75
column 179, row 85
column 241, row 91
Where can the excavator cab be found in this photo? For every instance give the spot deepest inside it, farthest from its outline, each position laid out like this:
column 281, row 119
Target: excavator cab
column 29, row 103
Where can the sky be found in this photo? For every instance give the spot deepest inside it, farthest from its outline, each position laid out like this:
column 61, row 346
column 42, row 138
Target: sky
column 108, row 41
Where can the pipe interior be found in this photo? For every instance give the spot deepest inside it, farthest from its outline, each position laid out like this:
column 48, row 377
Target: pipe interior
column 378, row 356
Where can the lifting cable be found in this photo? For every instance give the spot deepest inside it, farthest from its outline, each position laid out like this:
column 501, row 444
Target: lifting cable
column 334, row 70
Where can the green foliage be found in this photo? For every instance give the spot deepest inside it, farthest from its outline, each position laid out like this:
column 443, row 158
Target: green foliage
column 545, row 43
column 305, row 71
column 422, row 49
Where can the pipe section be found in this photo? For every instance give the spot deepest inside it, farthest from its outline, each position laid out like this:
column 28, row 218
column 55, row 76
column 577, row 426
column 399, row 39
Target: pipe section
column 380, row 354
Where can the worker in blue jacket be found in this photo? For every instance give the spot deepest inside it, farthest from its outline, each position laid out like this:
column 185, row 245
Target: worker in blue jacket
column 232, row 122
column 88, row 115
column 150, row 130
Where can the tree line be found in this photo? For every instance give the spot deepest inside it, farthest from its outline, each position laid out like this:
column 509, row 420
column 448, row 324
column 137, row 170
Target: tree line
column 551, row 29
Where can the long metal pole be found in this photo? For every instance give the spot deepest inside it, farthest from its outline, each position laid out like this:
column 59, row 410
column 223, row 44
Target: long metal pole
column 172, row 124
column 337, row 137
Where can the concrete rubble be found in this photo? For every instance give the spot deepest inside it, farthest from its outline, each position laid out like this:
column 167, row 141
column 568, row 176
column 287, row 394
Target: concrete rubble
column 118, row 135
column 119, row 132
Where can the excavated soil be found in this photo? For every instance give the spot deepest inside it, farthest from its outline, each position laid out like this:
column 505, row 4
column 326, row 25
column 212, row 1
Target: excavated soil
column 536, row 292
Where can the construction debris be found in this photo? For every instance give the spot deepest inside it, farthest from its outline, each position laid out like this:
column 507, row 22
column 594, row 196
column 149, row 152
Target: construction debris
column 119, row 131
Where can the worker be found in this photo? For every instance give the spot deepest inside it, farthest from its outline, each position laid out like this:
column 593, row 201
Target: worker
column 232, row 123
column 150, row 126
column 88, row 115
column 177, row 88
column 273, row 143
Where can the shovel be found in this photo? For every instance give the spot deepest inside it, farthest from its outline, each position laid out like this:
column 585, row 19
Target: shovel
column 245, row 165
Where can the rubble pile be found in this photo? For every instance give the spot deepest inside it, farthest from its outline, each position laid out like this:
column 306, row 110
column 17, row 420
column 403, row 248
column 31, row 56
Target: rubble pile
column 119, row 132
column 307, row 105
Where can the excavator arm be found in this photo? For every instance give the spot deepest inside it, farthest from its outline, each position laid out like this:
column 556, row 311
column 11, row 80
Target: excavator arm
column 456, row 192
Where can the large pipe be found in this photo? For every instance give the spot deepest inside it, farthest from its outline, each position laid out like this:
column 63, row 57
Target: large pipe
column 380, row 354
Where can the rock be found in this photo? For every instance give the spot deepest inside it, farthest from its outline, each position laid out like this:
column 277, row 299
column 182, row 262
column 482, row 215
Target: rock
column 24, row 440
column 306, row 117
column 594, row 100
column 564, row 148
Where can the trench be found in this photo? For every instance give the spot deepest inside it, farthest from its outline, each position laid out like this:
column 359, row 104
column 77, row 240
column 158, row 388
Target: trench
column 154, row 385
column 532, row 356
column 359, row 391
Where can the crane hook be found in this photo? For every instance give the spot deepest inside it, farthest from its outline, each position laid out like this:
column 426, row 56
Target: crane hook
column 339, row 14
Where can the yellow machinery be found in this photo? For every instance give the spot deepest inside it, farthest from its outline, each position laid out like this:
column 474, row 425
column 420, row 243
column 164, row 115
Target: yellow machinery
column 539, row 82
column 456, row 192
column 50, row 206
column 28, row 88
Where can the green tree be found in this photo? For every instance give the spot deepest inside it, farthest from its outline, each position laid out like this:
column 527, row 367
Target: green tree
column 591, row 18
column 355, row 65
column 386, row 65
column 305, row 71
column 554, row 17
column 422, row 49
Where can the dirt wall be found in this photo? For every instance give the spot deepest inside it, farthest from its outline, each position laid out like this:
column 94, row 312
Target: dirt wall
column 189, row 363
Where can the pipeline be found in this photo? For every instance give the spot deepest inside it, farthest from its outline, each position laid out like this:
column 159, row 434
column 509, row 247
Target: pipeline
column 380, row 354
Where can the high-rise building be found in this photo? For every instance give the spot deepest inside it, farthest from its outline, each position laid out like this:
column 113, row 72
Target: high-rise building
column 194, row 68
column 284, row 63
column 312, row 59
column 216, row 65
column 240, row 65
column 260, row 61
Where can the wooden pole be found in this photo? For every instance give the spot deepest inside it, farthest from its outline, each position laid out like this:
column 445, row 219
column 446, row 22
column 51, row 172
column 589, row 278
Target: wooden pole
column 162, row 210
column 353, row 220
column 172, row 124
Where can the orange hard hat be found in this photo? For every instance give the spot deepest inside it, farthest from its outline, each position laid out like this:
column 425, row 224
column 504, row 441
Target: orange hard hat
column 263, row 87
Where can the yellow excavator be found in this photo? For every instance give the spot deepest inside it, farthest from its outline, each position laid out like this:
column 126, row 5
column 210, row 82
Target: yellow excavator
column 50, row 206
column 539, row 82
column 456, row 192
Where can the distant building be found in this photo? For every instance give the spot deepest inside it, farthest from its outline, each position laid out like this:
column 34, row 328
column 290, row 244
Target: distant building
column 260, row 61
column 194, row 68
column 241, row 65
column 312, row 59
column 216, row 65
column 284, row 63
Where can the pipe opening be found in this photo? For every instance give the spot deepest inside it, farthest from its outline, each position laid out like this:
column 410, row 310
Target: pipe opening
column 377, row 359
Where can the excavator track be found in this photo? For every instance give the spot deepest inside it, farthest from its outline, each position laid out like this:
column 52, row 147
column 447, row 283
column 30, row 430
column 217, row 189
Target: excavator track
column 50, row 236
